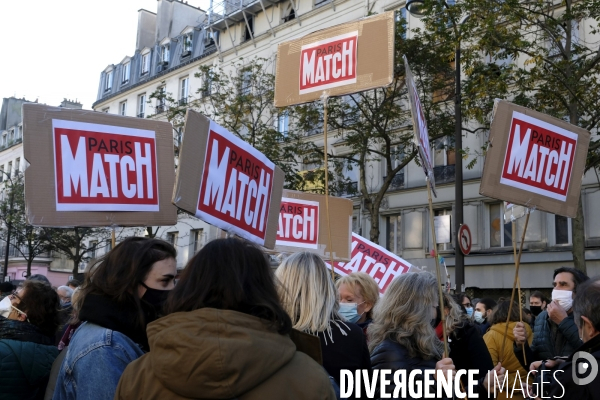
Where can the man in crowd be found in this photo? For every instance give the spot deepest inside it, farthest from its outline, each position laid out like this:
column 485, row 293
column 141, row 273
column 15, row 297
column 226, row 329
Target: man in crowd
column 555, row 333
column 73, row 284
column 6, row 288
column 578, row 377
column 64, row 294
column 483, row 310
column 537, row 303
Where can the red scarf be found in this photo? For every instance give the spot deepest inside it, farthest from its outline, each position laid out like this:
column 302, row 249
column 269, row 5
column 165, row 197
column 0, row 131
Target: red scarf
column 439, row 331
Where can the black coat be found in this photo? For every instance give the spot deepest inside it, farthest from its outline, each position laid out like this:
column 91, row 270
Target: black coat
column 468, row 351
column 567, row 384
column 391, row 355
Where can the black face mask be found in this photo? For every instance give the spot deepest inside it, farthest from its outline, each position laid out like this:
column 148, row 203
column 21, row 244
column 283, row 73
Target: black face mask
column 438, row 318
column 535, row 310
column 156, row 298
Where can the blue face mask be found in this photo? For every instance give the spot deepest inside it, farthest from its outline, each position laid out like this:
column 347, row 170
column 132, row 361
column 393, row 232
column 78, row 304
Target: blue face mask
column 469, row 311
column 349, row 311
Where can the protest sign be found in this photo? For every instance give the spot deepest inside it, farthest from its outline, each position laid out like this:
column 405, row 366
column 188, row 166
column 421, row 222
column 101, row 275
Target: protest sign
column 534, row 160
column 226, row 182
column 96, row 169
column 302, row 224
column 343, row 59
column 374, row 260
column 421, row 137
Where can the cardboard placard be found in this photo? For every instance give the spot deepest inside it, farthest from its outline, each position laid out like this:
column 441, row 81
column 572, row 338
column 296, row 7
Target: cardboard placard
column 421, row 137
column 534, row 160
column 226, row 182
column 303, row 224
column 95, row 169
column 343, row 59
column 374, row 260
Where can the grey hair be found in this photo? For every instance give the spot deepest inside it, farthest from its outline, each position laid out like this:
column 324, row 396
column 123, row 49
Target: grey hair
column 587, row 302
column 404, row 315
column 68, row 291
column 456, row 317
column 307, row 292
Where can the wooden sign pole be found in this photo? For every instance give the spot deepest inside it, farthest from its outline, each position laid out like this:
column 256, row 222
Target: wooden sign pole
column 326, row 162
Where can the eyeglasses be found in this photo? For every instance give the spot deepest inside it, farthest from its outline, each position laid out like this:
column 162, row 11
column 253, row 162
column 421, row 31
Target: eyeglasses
column 20, row 312
column 467, row 305
column 14, row 294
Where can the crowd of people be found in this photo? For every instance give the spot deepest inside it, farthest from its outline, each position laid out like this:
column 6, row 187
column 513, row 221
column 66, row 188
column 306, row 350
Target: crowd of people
column 230, row 328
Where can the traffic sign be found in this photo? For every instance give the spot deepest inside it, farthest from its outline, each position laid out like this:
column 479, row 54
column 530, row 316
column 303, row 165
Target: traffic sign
column 464, row 239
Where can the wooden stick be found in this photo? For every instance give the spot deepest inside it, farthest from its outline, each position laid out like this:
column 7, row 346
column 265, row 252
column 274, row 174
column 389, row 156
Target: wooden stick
column 512, row 296
column 437, row 271
column 326, row 161
column 114, row 239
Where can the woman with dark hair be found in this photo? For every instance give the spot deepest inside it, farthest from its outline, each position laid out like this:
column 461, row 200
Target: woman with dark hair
column 27, row 348
column 464, row 301
column 494, row 339
column 226, row 336
column 122, row 293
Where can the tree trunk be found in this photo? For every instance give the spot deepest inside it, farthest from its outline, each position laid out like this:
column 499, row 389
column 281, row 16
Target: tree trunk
column 578, row 233
column 151, row 232
column 29, row 262
column 76, row 274
column 374, row 211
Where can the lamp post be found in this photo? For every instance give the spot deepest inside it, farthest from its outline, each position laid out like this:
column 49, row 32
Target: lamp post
column 417, row 9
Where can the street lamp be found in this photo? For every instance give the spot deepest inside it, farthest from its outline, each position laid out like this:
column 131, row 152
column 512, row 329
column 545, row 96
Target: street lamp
column 417, row 9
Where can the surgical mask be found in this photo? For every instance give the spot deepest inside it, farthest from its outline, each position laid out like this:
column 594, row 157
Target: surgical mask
column 5, row 306
column 469, row 311
column 535, row 310
column 478, row 317
column 349, row 311
column 564, row 298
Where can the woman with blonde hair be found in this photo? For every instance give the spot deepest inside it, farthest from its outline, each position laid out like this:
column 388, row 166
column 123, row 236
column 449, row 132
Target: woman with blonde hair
column 310, row 298
column 358, row 295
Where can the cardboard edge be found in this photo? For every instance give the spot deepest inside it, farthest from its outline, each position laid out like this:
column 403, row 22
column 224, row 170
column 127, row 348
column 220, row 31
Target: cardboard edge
column 273, row 219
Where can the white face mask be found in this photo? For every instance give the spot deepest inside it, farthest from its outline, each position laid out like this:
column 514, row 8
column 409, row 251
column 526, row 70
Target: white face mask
column 478, row 317
column 564, row 298
column 5, row 306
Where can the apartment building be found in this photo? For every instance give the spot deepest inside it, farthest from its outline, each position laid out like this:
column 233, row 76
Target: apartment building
column 173, row 42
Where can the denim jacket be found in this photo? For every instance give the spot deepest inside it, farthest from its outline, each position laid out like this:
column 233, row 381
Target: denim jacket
column 95, row 360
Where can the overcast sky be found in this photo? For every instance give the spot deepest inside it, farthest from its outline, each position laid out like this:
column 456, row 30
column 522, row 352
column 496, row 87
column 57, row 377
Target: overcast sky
column 57, row 49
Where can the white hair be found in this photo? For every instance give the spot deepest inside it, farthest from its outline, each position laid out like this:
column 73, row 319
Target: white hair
column 67, row 291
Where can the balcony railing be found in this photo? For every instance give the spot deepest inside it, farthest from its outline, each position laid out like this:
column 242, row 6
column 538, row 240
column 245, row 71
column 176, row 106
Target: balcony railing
column 140, row 115
column 444, row 174
column 397, row 181
column 183, row 101
column 160, row 108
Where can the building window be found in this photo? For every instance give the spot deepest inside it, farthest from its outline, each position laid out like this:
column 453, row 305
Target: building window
column 401, row 18
column 183, row 91
column 207, row 83
column 141, row 105
column 9, row 169
column 93, row 245
column 19, row 132
column 283, row 123
column 2, row 173
column 394, row 233
column 187, row 45
column 172, row 238
column 397, row 157
column 126, row 72
column 288, row 12
column 349, row 179
column 196, row 239
column 108, row 246
column 248, row 28
column 164, row 54
column 246, row 83
column 562, row 229
column 108, row 81
column 444, row 228
column 123, row 108
column 145, row 64
column 212, row 38
column 500, row 232
column 160, row 100
column 17, row 165
column 11, row 137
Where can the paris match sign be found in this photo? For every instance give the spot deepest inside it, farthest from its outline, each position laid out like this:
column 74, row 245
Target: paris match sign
column 226, row 182
column 303, row 224
column 534, row 160
column 370, row 258
column 343, row 59
column 96, row 169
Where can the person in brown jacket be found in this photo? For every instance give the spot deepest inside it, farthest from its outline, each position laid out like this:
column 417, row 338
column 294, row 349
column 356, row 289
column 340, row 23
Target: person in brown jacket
column 227, row 336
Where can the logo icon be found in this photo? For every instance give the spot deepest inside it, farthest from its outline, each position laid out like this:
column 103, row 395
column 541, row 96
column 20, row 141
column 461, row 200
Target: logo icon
column 581, row 368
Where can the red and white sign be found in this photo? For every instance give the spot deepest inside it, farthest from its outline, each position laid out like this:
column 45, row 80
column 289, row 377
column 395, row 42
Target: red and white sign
column 235, row 193
column 465, row 240
column 328, row 63
column 539, row 157
column 104, row 167
column 374, row 260
column 298, row 223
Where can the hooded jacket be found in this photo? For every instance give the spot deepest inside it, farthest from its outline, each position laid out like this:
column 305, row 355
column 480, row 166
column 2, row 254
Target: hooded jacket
column 493, row 340
column 26, row 357
column 221, row 354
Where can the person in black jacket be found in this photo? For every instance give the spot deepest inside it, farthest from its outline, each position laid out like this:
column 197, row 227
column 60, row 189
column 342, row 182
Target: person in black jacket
column 483, row 311
column 402, row 336
column 573, row 379
column 467, row 348
column 310, row 298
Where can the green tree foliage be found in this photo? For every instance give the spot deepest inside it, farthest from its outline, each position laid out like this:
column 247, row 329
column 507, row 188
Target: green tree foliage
column 376, row 126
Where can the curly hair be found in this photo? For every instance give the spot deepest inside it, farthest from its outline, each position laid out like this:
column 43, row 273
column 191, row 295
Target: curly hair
column 404, row 315
column 456, row 317
column 41, row 303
